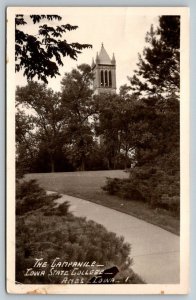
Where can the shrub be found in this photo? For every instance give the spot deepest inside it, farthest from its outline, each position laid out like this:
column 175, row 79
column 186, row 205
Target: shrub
column 123, row 188
column 61, row 209
column 30, row 196
column 70, row 239
column 157, row 187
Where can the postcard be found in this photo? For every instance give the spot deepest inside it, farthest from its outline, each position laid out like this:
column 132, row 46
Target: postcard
column 97, row 150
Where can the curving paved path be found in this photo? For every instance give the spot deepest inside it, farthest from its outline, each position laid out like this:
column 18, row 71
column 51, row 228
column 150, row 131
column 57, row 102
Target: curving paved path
column 155, row 251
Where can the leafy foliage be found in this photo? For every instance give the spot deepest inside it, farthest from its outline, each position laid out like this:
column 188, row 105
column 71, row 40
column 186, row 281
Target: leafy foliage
column 152, row 185
column 24, row 142
column 156, row 178
column 115, row 126
column 41, row 55
column 123, row 188
column 49, row 118
column 78, row 102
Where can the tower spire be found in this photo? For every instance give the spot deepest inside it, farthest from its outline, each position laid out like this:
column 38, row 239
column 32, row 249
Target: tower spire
column 97, row 58
column 93, row 63
column 113, row 59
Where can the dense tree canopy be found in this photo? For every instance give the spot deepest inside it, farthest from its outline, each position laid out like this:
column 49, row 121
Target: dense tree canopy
column 47, row 114
column 115, row 128
column 78, row 102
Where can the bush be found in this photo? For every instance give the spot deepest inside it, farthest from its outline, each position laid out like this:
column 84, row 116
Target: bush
column 57, row 210
column 160, row 189
column 123, row 188
column 30, row 196
column 70, row 239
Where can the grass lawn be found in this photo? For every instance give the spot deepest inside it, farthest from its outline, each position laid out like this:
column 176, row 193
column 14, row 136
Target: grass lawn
column 87, row 185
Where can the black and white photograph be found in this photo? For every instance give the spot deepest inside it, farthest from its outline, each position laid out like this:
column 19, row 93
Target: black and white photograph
column 97, row 150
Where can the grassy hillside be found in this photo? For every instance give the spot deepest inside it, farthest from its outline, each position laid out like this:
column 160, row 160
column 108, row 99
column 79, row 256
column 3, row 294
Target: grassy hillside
column 87, row 185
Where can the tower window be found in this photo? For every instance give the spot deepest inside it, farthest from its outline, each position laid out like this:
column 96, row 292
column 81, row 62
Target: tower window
column 102, row 80
column 110, row 78
column 106, row 78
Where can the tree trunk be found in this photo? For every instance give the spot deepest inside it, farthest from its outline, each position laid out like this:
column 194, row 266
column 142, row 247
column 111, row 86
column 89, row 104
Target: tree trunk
column 114, row 163
column 126, row 157
column 52, row 165
column 82, row 166
column 109, row 163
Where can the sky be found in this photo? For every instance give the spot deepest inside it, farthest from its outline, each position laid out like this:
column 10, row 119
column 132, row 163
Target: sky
column 120, row 30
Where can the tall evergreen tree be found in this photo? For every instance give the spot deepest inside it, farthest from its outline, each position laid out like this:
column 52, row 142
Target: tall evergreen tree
column 158, row 71
column 156, row 118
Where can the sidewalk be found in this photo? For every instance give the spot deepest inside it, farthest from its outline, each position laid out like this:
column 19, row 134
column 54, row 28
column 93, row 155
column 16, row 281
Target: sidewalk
column 155, row 251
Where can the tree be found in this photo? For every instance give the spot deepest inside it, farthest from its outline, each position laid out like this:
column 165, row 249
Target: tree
column 107, row 127
column 158, row 70
column 156, row 84
column 157, row 173
column 78, row 102
column 155, row 120
column 26, row 149
column 41, row 55
column 48, row 117
column 115, row 127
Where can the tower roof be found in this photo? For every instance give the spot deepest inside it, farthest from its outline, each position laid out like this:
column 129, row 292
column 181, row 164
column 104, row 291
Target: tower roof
column 104, row 57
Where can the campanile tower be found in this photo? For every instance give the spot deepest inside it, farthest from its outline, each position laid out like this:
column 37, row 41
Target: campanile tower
column 105, row 72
